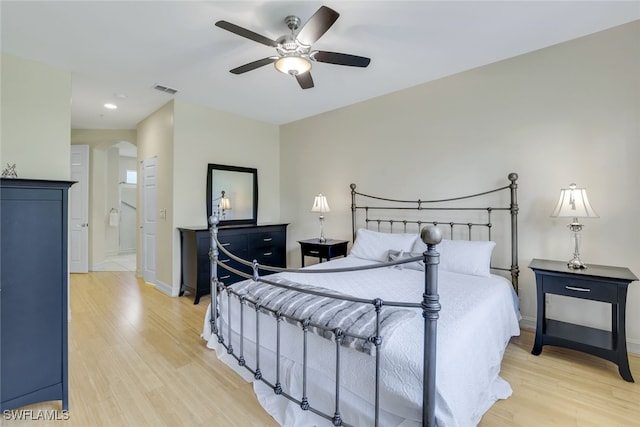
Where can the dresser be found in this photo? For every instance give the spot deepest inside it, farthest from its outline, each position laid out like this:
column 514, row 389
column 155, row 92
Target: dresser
column 265, row 243
column 33, row 292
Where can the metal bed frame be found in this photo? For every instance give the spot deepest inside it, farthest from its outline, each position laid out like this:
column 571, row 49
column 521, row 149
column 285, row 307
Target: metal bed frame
column 431, row 234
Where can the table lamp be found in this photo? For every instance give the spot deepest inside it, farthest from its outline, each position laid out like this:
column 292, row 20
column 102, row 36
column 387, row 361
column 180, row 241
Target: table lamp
column 320, row 205
column 573, row 203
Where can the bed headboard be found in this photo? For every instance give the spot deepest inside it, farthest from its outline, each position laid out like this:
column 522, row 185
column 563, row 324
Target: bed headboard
column 467, row 217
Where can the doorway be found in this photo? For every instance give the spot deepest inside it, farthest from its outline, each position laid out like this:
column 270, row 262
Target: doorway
column 114, row 166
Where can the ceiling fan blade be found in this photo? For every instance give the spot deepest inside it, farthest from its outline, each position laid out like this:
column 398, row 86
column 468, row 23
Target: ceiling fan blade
column 253, row 65
column 340, row 58
column 305, row 80
column 243, row 32
column 317, row 25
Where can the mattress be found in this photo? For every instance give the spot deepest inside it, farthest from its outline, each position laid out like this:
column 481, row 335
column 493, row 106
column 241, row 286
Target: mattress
column 479, row 315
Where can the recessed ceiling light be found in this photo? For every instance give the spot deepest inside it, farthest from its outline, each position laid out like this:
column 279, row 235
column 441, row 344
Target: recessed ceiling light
column 110, row 106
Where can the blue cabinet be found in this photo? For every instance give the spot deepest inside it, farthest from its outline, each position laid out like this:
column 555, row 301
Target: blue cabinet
column 33, row 292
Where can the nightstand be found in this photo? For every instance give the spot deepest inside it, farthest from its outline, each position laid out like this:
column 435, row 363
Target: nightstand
column 329, row 249
column 597, row 283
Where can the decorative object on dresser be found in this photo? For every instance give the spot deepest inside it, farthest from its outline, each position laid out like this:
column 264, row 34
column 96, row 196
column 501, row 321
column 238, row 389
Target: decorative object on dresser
column 328, row 249
column 321, row 205
column 264, row 243
column 33, row 292
column 10, row 171
column 599, row 283
column 573, row 203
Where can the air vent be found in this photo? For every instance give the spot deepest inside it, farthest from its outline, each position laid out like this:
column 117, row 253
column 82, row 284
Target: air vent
column 165, row 89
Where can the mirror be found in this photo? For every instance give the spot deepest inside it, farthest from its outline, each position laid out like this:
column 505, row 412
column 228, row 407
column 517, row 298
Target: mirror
column 232, row 192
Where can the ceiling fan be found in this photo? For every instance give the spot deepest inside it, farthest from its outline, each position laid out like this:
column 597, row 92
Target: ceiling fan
column 294, row 54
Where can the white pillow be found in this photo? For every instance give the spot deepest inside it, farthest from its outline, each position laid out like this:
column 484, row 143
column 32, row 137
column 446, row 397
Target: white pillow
column 375, row 246
column 462, row 256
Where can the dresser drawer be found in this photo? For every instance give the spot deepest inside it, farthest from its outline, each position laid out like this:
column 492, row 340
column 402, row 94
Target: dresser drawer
column 233, row 242
column 228, row 278
column 271, row 256
column 267, row 239
column 580, row 288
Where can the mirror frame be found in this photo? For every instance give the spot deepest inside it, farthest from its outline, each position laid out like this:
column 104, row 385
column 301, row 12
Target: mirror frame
column 211, row 167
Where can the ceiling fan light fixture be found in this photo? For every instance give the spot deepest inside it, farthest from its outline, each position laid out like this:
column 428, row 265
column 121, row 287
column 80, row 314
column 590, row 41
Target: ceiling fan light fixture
column 293, row 65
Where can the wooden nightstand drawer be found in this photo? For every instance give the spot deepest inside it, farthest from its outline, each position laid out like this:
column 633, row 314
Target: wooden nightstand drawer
column 580, row 288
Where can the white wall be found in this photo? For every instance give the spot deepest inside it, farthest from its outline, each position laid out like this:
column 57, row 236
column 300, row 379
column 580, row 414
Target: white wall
column 568, row 113
column 36, row 112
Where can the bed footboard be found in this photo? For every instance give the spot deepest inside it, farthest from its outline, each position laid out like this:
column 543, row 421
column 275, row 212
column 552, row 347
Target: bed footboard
column 429, row 306
column 409, row 214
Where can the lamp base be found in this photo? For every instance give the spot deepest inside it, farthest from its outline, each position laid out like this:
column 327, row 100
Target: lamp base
column 576, row 264
column 321, row 239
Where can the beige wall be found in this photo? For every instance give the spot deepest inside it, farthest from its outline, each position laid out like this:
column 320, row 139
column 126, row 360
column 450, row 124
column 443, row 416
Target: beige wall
column 185, row 138
column 156, row 139
column 564, row 114
column 205, row 136
column 35, row 111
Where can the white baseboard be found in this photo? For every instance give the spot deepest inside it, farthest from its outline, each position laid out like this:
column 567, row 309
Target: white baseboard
column 529, row 323
column 164, row 288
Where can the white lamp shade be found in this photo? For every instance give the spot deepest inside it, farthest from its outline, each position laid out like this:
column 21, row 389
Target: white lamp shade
column 293, row 65
column 574, row 203
column 320, row 204
column 225, row 204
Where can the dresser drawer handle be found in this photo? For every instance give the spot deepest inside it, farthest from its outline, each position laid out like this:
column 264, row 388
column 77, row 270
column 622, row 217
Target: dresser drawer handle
column 226, row 244
column 267, row 239
column 225, row 260
column 574, row 288
column 268, row 253
column 225, row 277
column 314, row 252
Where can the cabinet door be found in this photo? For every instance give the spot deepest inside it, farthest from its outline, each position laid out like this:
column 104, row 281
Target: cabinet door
column 33, row 291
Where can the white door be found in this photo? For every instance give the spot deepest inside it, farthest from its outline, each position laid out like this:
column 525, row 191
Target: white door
column 79, row 210
column 149, row 219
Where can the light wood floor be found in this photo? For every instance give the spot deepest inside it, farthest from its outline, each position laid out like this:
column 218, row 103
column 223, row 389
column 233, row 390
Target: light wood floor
column 136, row 359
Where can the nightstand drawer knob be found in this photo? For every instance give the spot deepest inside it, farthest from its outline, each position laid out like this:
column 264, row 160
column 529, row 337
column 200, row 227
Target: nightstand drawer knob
column 314, row 252
column 575, row 288
column 268, row 239
column 268, row 253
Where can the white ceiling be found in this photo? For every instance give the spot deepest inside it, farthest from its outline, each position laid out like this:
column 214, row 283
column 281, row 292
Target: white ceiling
column 125, row 48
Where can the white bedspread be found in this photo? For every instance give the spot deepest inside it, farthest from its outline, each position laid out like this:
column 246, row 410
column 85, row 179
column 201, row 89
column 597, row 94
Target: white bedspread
column 477, row 319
